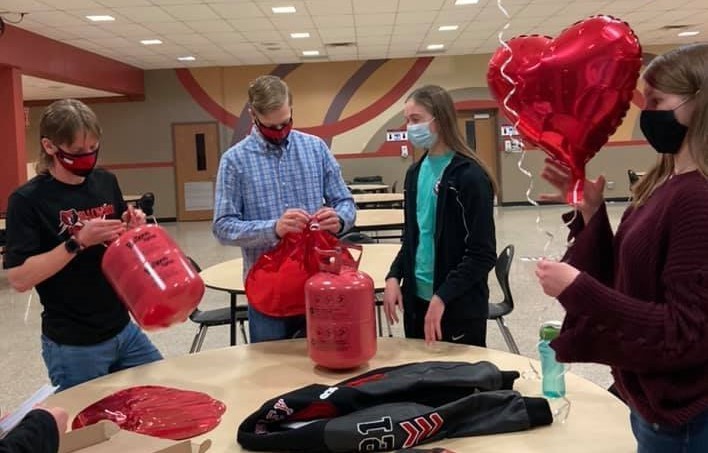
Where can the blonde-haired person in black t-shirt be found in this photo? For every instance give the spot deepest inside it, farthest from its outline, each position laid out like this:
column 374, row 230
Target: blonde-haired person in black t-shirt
column 57, row 224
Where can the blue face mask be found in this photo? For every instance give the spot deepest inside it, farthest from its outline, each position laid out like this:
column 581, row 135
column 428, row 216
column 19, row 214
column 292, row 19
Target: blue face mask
column 421, row 136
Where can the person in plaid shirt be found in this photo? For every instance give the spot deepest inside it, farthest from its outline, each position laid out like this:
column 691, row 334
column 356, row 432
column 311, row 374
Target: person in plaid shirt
column 273, row 182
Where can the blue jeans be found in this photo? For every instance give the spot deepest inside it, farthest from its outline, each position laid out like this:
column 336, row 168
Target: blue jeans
column 269, row 328
column 654, row 438
column 72, row 365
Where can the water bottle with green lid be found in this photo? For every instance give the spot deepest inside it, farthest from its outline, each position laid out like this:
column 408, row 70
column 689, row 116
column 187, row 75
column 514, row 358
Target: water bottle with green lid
column 552, row 372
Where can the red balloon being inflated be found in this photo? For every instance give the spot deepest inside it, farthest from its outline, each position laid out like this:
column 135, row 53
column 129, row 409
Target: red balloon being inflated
column 572, row 91
column 164, row 412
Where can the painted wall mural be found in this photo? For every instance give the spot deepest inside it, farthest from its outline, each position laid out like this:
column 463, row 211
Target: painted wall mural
column 351, row 104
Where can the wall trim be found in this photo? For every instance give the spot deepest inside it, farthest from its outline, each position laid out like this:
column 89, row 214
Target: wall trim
column 138, row 165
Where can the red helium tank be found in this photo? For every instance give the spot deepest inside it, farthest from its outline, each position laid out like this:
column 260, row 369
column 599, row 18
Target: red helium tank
column 152, row 277
column 341, row 324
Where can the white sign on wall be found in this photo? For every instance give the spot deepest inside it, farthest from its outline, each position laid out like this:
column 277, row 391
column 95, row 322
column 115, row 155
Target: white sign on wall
column 508, row 131
column 396, row 136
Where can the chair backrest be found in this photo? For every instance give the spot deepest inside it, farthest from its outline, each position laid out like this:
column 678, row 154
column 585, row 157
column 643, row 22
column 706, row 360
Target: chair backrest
column 147, row 203
column 198, row 269
column 633, row 177
column 502, row 269
column 357, row 238
column 368, row 180
column 393, row 187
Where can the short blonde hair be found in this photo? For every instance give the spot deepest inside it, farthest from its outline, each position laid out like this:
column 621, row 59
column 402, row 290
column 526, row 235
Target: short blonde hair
column 268, row 93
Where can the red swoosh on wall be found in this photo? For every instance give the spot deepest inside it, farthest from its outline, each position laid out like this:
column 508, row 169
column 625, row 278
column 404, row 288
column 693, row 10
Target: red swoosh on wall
column 325, row 130
column 202, row 98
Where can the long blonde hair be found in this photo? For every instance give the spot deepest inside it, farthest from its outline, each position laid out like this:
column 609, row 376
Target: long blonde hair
column 60, row 123
column 438, row 102
column 684, row 72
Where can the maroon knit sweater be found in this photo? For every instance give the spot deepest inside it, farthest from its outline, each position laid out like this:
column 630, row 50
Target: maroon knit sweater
column 640, row 303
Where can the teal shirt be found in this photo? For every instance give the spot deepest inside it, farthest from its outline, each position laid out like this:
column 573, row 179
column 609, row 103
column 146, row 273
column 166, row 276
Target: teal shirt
column 431, row 170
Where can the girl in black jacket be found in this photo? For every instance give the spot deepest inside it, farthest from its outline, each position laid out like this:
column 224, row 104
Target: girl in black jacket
column 449, row 245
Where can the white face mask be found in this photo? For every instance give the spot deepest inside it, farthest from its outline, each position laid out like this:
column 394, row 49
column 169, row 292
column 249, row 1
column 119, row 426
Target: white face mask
column 421, row 136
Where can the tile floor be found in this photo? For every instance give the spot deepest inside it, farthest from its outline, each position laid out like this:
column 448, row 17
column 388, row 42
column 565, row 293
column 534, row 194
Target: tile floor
column 23, row 371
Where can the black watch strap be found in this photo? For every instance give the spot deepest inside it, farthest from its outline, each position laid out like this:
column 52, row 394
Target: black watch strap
column 72, row 245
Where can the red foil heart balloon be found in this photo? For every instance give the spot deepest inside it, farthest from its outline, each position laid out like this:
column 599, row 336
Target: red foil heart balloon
column 572, row 91
column 156, row 411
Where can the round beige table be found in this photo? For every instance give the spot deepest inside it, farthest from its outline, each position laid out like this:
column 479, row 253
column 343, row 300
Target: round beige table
column 369, row 187
column 228, row 276
column 244, row 377
column 364, row 199
column 131, row 198
column 378, row 219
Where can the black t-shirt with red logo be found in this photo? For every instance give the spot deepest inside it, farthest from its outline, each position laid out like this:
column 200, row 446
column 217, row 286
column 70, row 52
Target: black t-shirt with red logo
column 80, row 307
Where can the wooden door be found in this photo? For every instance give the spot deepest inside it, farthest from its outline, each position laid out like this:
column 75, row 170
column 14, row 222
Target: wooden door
column 480, row 131
column 196, row 150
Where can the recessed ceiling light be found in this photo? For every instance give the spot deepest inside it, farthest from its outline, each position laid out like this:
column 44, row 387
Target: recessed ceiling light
column 466, row 2
column 283, row 9
column 103, row 18
column 688, row 33
column 150, row 42
column 448, row 27
column 189, row 58
column 310, row 53
column 436, row 46
column 299, row 35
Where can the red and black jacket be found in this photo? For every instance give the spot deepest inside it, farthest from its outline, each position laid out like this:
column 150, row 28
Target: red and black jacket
column 392, row 408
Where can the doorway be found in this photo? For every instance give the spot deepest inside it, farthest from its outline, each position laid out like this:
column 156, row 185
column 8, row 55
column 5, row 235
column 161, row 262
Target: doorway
column 480, row 131
column 196, row 150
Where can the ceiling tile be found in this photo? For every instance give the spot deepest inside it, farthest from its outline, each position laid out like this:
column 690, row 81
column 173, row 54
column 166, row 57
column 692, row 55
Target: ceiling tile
column 292, row 23
column 337, row 34
column 57, row 19
column 24, row 5
column 374, row 31
column 144, row 14
column 129, row 30
column 67, row 5
column 375, row 6
column 419, row 5
column 188, row 13
column 413, row 18
column 333, row 21
column 115, row 3
column 375, row 19
column 253, row 24
column 192, row 38
column 225, row 37
column 202, row 26
column 237, row 10
column 329, row 7
column 173, row 27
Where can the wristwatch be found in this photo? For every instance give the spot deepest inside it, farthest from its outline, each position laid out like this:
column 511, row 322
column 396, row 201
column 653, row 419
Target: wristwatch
column 72, row 245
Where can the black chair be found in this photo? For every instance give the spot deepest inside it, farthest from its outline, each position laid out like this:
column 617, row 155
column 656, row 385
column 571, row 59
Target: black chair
column 497, row 310
column 368, row 180
column 356, row 237
column 147, row 204
column 633, row 177
column 213, row 318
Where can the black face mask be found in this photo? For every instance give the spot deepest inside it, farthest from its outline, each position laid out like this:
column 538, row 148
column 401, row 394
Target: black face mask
column 662, row 130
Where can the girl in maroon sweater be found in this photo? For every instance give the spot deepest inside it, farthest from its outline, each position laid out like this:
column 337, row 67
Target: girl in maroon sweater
column 638, row 300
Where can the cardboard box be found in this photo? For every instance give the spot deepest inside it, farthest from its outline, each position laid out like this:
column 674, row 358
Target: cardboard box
column 106, row 437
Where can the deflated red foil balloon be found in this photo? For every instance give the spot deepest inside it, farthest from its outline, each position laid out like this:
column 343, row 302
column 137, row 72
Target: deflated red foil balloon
column 156, row 411
column 275, row 285
column 572, row 91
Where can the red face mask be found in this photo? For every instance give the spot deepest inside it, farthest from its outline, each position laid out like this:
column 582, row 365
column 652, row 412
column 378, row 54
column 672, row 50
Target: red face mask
column 78, row 164
column 275, row 135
